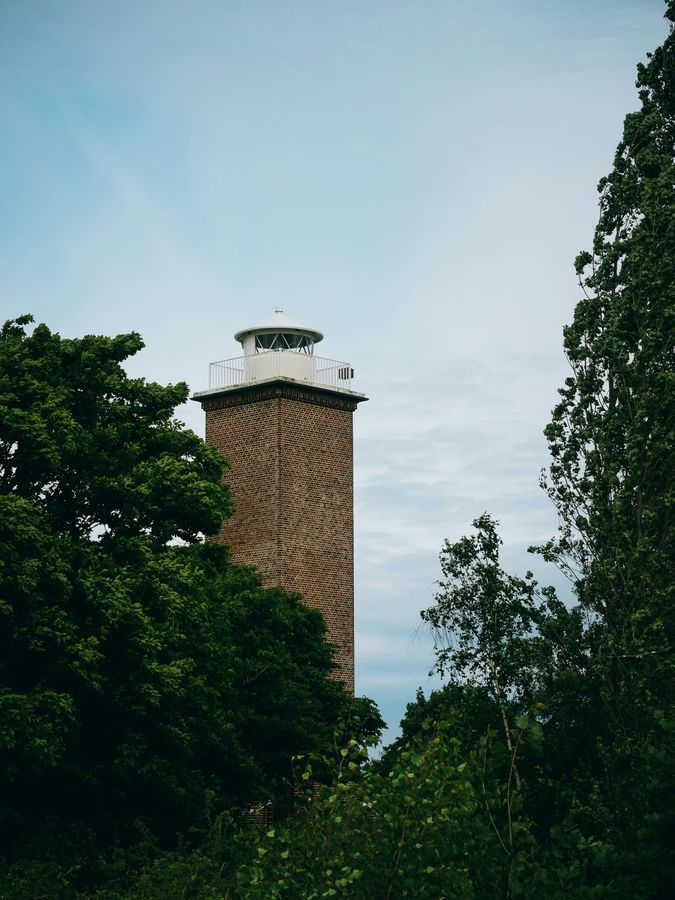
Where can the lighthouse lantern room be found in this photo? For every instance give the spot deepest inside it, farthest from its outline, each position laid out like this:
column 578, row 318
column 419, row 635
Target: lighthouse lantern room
column 279, row 348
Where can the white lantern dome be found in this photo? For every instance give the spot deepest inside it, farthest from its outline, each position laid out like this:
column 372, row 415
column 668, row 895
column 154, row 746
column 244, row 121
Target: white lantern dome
column 279, row 333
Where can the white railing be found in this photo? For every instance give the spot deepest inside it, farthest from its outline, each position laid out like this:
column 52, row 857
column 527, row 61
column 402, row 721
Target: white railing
column 281, row 363
column 226, row 372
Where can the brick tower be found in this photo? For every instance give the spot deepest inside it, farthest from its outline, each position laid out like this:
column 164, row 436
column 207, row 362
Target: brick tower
column 283, row 418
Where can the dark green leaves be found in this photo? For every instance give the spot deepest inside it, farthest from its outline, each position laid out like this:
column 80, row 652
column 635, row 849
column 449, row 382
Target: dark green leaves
column 98, row 452
column 142, row 682
column 613, row 473
column 483, row 619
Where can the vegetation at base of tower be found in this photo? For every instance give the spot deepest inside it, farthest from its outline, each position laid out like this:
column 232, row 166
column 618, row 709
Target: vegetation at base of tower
column 145, row 681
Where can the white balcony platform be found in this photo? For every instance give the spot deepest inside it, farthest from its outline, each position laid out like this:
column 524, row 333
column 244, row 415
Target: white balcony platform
column 286, row 365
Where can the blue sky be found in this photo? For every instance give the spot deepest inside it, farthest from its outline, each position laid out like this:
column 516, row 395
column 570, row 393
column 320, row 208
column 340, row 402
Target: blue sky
column 412, row 178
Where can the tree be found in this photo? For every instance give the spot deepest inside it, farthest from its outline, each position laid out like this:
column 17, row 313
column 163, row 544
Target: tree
column 96, row 452
column 143, row 678
column 498, row 639
column 611, row 442
column 483, row 622
column 434, row 821
column 470, row 708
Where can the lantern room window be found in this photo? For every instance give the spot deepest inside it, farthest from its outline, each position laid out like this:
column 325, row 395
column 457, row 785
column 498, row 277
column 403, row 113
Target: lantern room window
column 300, row 343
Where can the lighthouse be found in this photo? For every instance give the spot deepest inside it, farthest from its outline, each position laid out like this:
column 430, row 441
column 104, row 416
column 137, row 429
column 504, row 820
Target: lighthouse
column 282, row 416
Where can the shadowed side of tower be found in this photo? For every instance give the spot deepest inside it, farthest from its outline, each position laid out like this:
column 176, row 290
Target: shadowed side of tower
column 288, row 439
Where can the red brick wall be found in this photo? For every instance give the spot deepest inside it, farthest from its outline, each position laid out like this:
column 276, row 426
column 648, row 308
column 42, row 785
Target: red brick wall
column 291, row 475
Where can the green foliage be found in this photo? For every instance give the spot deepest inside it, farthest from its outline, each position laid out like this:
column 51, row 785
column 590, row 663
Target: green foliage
column 438, row 822
column 483, row 618
column 602, row 672
column 96, row 451
column 611, row 437
column 470, row 708
column 411, row 833
column 144, row 679
column 496, row 636
column 612, row 471
column 360, row 727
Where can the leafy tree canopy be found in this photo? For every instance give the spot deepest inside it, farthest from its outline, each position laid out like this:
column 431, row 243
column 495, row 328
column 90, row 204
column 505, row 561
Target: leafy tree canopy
column 612, row 476
column 143, row 678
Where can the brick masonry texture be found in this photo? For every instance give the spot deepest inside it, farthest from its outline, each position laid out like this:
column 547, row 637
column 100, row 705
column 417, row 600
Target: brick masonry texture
column 291, row 476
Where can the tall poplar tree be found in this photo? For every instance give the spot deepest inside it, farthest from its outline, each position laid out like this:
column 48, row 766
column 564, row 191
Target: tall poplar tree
column 611, row 441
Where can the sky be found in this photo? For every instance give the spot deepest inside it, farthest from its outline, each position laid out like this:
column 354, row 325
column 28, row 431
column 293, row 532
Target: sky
column 413, row 178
